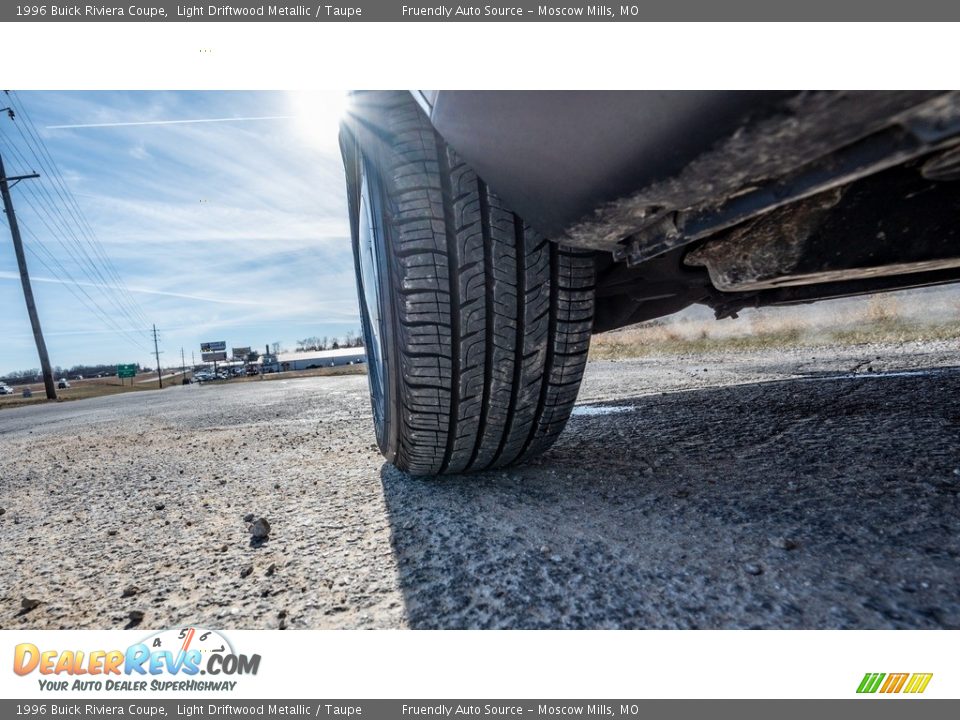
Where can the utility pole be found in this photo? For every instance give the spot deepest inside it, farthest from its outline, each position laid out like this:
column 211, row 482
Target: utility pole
column 5, row 185
column 156, row 354
column 183, row 366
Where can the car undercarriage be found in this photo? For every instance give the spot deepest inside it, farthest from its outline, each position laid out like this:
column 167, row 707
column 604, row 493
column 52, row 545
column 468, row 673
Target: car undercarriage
column 875, row 212
column 732, row 200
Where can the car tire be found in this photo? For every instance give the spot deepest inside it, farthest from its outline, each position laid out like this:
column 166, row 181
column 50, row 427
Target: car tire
column 477, row 329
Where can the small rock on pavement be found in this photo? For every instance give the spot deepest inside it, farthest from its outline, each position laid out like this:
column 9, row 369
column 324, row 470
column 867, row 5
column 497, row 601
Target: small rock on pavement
column 784, row 543
column 29, row 603
column 271, row 570
column 260, row 529
column 3, row 511
column 130, row 591
column 248, row 518
column 246, row 571
column 136, row 616
column 159, row 506
column 752, row 568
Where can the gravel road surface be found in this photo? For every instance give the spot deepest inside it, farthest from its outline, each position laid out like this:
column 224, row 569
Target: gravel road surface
column 809, row 488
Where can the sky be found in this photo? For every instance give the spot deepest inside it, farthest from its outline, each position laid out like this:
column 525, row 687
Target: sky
column 223, row 213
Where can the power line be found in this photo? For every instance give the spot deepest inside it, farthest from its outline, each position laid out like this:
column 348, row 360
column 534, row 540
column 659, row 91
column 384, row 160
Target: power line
column 79, row 292
column 35, row 247
column 41, row 205
column 94, row 305
column 51, row 214
column 75, row 208
column 60, row 230
column 58, row 234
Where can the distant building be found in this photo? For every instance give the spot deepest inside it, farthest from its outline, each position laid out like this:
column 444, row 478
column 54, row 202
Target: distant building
column 268, row 363
column 321, row 358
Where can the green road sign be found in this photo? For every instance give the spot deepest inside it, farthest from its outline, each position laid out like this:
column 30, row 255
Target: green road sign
column 125, row 371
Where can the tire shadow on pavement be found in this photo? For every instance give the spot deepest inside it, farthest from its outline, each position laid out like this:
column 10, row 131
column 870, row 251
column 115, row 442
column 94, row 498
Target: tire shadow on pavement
column 809, row 503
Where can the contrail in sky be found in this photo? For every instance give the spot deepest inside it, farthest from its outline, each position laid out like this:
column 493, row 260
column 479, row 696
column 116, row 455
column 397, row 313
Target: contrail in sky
column 169, row 122
column 4, row 275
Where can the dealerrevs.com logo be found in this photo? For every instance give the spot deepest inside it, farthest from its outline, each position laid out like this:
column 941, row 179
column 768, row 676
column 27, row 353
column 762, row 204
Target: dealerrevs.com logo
column 169, row 660
column 888, row 683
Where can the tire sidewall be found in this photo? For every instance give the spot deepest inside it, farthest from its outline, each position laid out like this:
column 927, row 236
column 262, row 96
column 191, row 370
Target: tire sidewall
column 387, row 429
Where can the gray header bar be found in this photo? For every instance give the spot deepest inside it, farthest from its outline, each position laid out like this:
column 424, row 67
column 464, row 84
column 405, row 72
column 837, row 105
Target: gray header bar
column 497, row 11
column 224, row 708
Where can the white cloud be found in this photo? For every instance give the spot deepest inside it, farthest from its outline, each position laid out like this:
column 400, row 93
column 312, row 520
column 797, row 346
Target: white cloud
column 215, row 227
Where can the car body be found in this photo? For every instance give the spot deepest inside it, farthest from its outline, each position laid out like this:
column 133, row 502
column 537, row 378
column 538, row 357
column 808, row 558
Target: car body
column 63, row 384
column 654, row 201
column 6, row 389
column 671, row 188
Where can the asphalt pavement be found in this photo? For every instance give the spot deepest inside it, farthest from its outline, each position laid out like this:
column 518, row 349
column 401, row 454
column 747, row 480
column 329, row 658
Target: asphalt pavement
column 809, row 488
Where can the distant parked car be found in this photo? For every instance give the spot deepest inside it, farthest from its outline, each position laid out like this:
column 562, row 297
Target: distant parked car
column 62, row 384
column 5, row 389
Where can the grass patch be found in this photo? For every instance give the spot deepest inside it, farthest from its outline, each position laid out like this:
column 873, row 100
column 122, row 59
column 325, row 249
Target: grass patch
column 88, row 388
column 99, row 387
column 660, row 339
column 358, row 369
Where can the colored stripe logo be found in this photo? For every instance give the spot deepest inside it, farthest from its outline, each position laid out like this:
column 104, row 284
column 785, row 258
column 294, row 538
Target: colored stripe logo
column 913, row 683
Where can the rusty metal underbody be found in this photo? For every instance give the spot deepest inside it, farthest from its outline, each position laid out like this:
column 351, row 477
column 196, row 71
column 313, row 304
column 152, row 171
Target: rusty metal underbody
column 895, row 223
column 856, row 193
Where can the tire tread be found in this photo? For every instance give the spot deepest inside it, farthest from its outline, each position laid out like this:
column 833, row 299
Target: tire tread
column 492, row 321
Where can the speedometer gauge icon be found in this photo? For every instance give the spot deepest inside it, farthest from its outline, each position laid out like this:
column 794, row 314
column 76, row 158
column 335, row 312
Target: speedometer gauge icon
column 184, row 639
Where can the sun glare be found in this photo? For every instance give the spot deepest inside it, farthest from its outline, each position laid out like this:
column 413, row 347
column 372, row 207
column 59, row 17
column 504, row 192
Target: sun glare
column 317, row 115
